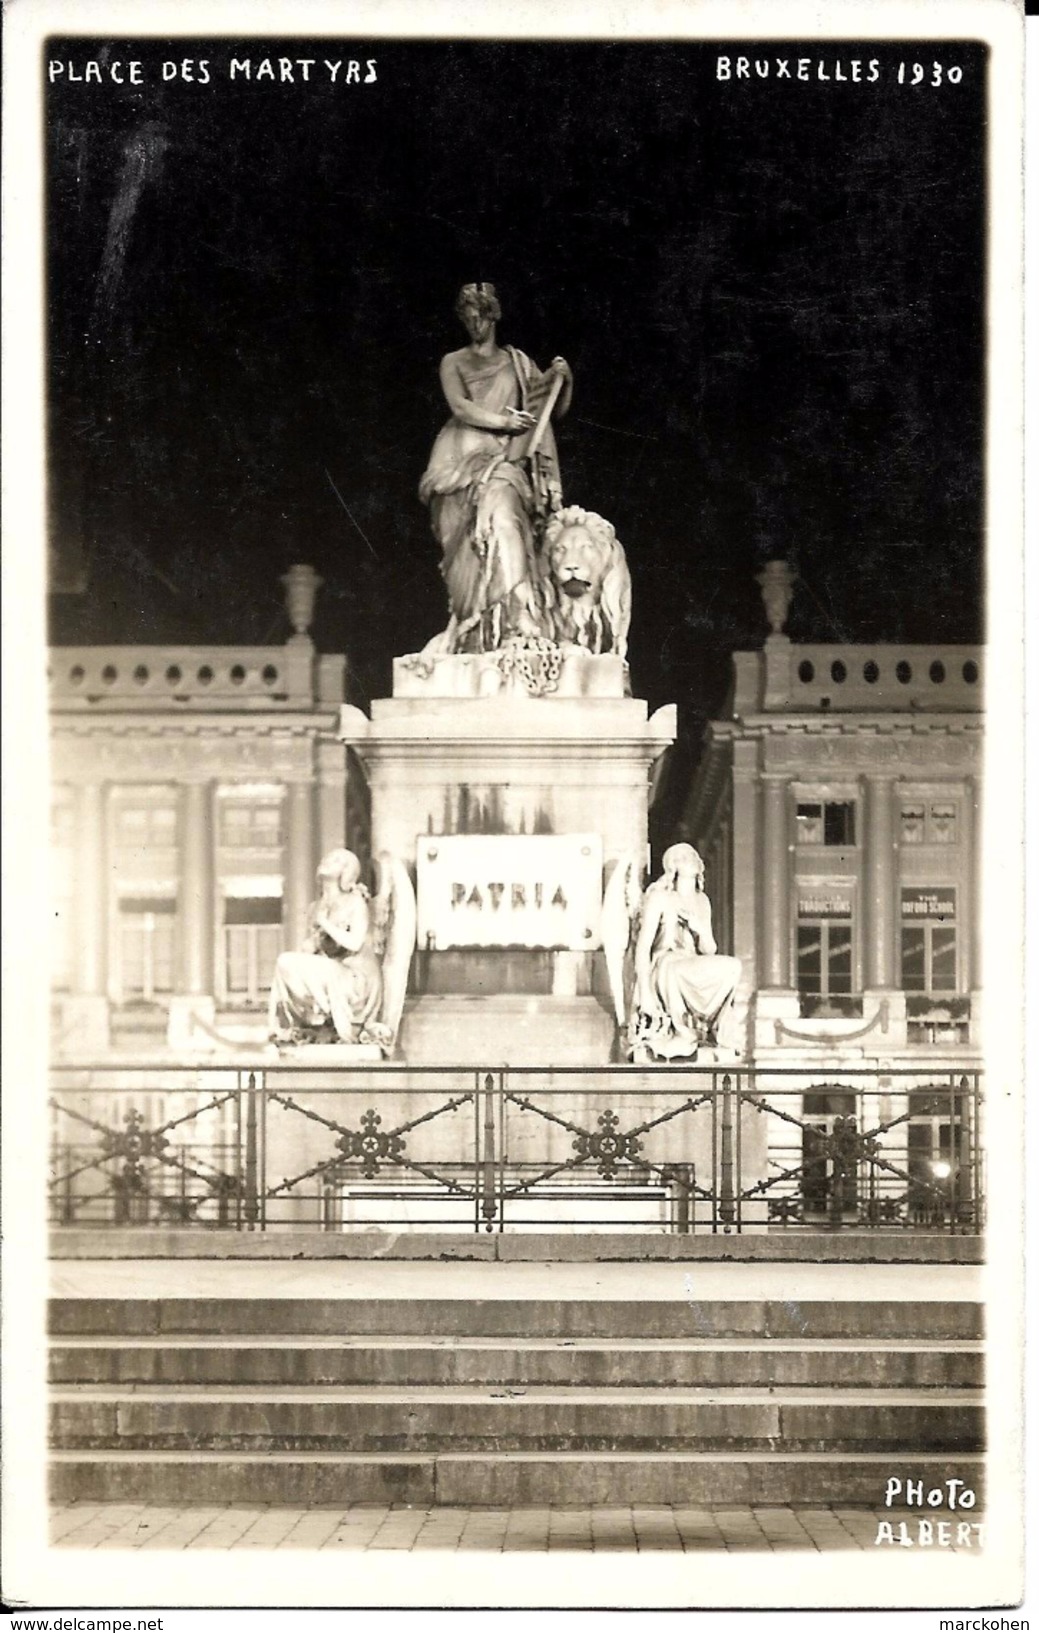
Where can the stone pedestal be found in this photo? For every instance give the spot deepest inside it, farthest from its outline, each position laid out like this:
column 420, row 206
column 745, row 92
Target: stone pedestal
column 768, row 1007
column 509, row 765
column 520, row 745
column 506, row 1029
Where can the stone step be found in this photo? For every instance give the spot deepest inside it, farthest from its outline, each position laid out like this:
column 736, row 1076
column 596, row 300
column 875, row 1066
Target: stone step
column 524, row 1317
column 507, row 1480
column 465, row 1419
column 720, row 1363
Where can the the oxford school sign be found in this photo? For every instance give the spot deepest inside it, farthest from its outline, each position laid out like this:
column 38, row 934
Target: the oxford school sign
column 939, row 903
column 509, row 890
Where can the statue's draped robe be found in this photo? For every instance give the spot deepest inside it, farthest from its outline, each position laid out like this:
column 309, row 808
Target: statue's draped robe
column 482, row 505
column 685, row 983
column 321, row 984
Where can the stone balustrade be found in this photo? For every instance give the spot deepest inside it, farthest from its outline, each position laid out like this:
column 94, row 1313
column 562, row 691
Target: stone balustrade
column 881, row 677
column 191, row 678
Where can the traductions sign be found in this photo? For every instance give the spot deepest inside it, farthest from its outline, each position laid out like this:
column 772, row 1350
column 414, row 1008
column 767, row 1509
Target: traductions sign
column 509, row 890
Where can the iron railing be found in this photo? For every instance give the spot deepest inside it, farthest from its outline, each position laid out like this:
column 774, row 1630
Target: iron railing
column 681, row 1149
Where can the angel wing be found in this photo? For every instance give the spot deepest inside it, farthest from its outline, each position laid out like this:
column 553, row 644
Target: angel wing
column 620, row 908
column 395, row 920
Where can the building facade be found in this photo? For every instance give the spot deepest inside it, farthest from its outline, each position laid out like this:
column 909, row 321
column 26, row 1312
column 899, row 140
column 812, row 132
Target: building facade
column 837, row 806
column 193, row 791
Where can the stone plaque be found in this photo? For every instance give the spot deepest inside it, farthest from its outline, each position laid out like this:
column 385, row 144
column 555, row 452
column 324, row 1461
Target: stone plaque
column 509, row 890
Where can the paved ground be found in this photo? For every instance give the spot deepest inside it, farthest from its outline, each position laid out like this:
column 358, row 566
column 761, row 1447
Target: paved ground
column 375, row 1278
column 534, row 1530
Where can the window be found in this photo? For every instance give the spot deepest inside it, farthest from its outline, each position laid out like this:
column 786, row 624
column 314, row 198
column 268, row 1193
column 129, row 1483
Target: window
column 938, row 1147
column 252, row 942
column 825, row 948
column 930, row 822
column 914, row 820
column 142, row 827
column 928, row 958
column 943, row 823
column 821, row 1112
column 826, row 822
column 824, row 963
column 145, row 946
column 250, row 824
column 929, row 940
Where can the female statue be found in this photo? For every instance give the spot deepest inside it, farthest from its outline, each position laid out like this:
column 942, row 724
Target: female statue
column 334, row 984
column 486, row 492
column 684, row 988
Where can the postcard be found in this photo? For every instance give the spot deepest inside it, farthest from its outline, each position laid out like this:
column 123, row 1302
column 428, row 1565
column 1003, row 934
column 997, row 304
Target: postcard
column 514, row 798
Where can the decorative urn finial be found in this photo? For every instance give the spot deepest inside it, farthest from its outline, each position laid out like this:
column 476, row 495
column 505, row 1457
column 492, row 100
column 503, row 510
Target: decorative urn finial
column 301, row 586
column 777, row 580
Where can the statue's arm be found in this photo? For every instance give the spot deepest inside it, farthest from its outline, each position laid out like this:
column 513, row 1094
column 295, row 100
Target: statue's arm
column 351, row 930
column 512, row 421
column 540, row 385
column 560, row 366
column 705, row 932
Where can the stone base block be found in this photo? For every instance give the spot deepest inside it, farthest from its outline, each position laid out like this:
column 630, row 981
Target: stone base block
column 470, row 1315
column 470, row 1480
column 695, row 1478
column 777, row 1023
column 325, row 1054
column 84, row 1029
column 69, row 1242
column 976, row 1033
column 768, row 1012
column 889, row 1008
column 192, row 1021
column 509, row 1030
column 213, row 1478
column 492, row 674
column 407, row 1418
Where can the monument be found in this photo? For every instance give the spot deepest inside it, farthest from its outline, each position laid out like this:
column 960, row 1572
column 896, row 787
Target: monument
column 511, row 771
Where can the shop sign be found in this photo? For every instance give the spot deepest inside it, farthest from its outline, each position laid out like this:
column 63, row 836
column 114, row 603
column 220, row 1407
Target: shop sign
column 929, row 904
column 823, row 901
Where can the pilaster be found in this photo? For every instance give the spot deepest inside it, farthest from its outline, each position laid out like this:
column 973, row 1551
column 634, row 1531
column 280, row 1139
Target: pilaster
column 973, row 855
column 745, row 824
column 330, row 756
column 195, row 953
column 878, row 875
column 775, row 883
column 91, row 906
column 300, row 861
column 84, row 1030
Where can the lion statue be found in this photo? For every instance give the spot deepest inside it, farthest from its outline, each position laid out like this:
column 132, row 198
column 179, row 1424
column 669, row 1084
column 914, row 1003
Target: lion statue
column 586, row 582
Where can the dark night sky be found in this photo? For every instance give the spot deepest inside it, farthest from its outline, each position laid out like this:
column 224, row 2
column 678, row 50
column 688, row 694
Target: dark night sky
column 771, row 295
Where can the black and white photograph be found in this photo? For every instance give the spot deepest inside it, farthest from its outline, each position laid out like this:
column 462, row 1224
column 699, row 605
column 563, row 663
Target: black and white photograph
column 514, row 800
